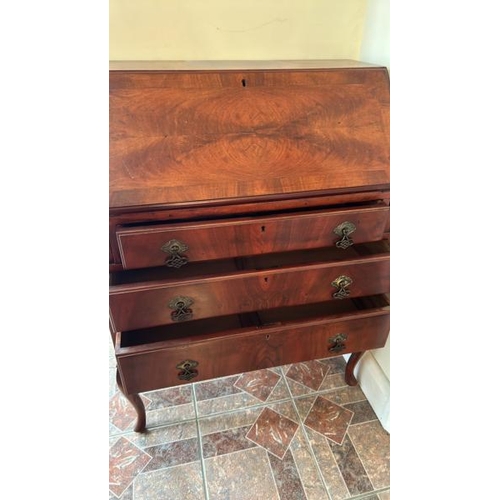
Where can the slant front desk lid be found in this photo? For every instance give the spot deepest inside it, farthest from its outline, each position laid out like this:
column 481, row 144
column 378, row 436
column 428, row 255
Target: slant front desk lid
column 199, row 133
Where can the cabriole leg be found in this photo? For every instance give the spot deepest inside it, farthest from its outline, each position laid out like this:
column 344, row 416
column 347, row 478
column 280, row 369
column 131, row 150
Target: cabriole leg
column 349, row 369
column 136, row 401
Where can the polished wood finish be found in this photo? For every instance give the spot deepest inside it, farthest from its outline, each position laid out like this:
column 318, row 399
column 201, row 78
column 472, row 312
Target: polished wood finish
column 135, row 400
column 200, row 136
column 142, row 247
column 150, row 366
column 350, row 379
column 251, row 166
column 144, row 304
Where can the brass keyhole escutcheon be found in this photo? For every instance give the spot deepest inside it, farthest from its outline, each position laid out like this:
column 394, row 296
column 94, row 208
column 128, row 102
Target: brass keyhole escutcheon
column 174, row 248
column 341, row 283
column 181, row 310
column 187, row 369
column 344, row 230
column 337, row 342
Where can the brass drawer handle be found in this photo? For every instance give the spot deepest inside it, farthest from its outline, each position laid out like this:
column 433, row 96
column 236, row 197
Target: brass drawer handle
column 341, row 283
column 174, row 248
column 344, row 230
column 338, row 342
column 180, row 306
column 187, row 369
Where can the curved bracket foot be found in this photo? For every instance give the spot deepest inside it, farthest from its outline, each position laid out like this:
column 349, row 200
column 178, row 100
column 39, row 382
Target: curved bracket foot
column 349, row 369
column 136, row 401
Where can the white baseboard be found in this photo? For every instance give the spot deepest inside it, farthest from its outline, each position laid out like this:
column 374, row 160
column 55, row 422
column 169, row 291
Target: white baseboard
column 376, row 386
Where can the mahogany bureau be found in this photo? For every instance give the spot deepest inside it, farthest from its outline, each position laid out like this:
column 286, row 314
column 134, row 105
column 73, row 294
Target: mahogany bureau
column 248, row 216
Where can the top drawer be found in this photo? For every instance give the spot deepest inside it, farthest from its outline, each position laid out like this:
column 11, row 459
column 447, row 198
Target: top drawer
column 174, row 245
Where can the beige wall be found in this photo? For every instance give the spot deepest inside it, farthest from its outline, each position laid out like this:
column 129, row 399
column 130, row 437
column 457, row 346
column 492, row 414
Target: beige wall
column 235, row 29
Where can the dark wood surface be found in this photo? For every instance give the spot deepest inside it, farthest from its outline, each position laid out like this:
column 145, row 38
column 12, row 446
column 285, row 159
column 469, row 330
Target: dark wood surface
column 251, row 165
column 201, row 136
column 208, row 240
column 144, row 304
column 230, row 352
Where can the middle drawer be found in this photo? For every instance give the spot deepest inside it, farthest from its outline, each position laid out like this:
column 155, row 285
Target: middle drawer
column 141, row 299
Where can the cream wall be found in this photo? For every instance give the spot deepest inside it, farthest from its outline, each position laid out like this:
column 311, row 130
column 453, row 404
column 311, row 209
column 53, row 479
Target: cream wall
column 235, row 29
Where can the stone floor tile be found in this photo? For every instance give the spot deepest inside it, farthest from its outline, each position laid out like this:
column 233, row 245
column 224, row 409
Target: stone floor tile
column 227, row 441
column 183, row 482
column 244, row 475
column 216, row 388
column 286, row 477
column 309, row 373
column 351, row 467
column 125, row 462
column 161, row 435
column 329, row 419
column 363, row 412
column 306, row 466
column 260, row 384
column 172, row 454
column 372, row 444
column 331, row 474
column 273, row 431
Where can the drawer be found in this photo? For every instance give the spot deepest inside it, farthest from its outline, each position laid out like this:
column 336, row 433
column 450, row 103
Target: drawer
column 177, row 244
column 176, row 354
column 306, row 277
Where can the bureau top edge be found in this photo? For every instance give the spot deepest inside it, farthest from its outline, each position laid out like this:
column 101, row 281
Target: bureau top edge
column 238, row 65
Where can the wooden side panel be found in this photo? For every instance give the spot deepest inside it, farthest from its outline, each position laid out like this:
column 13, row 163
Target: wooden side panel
column 263, row 348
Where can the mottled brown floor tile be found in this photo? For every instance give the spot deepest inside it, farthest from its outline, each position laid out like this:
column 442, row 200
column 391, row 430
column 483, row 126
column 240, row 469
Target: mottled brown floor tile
column 165, row 434
column 329, row 419
column 183, row 482
column 226, row 421
column 173, row 396
column 128, row 494
column 363, row 412
column 385, row 495
column 121, row 413
column 244, row 475
column 285, row 408
column 333, row 381
column 310, row 373
column 226, row 403
column 297, row 389
column 125, row 462
column 228, row 441
column 216, row 388
column 336, row 364
column 351, row 467
column 306, row 466
column 170, row 415
column 286, row 477
column 329, row 470
column 259, row 384
column 273, row 432
column 280, row 391
column 304, row 405
column 372, row 443
column 344, row 395
column 172, row 454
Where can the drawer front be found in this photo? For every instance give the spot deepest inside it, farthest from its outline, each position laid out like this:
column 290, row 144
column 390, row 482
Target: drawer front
column 252, row 350
column 178, row 244
column 147, row 305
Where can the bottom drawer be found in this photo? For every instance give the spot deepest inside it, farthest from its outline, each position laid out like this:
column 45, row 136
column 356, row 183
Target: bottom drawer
column 170, row 355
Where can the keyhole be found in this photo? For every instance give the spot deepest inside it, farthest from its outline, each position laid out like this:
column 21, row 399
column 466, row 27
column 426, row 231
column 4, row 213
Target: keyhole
column 263, row 229
column 244, row 82
column 265, row 280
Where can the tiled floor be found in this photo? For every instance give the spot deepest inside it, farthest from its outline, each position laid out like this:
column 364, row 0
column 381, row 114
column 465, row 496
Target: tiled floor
column 290, row 433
